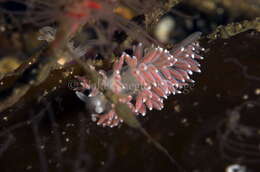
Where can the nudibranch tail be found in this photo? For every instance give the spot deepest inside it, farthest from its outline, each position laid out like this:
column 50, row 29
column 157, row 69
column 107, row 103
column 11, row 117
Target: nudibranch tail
column 149, row 76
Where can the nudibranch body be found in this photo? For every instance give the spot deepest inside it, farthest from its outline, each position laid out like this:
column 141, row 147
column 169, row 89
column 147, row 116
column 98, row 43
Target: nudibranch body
column 149, row 76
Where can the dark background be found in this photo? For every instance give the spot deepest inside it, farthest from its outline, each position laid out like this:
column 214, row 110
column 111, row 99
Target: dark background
column 212, row 126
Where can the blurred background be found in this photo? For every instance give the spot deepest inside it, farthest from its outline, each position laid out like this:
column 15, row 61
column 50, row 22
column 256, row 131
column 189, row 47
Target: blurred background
column 213, row 126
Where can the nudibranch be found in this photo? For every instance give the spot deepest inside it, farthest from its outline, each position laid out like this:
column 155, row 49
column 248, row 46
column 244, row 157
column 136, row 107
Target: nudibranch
column 148, row 76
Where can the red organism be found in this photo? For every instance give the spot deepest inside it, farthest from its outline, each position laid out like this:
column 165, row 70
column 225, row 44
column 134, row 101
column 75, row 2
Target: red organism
column 148, row 76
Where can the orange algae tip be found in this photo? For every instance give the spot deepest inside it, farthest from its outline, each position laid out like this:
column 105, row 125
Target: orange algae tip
column 124, row 12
